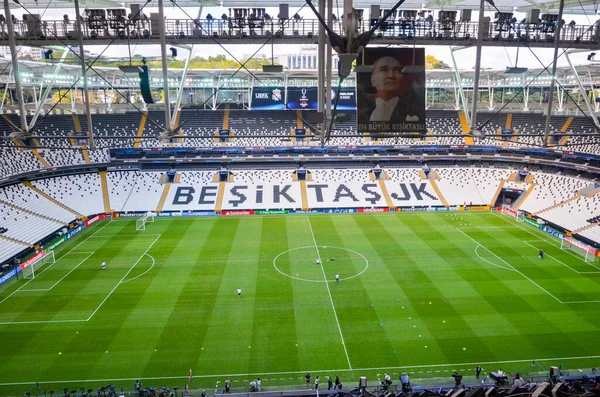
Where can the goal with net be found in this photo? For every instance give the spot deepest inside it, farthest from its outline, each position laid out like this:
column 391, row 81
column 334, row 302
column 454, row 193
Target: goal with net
column 31, row 270
column 140, row 223
column 517, row 214
column 589, row 253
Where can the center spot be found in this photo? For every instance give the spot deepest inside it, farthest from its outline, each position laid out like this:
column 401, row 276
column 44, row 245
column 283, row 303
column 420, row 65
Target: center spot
column 300, row 264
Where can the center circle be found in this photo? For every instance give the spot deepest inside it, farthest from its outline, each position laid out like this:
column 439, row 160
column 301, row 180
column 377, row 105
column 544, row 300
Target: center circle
column 300, row 263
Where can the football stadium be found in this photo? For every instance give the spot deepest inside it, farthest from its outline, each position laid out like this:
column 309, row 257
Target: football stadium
column 299, row 198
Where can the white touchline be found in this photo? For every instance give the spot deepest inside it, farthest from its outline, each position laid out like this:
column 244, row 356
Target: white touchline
column 542, row 235
column 508, row 264
column 329, row 292
column 123, row 278
column 454, row 365
column 559, row 261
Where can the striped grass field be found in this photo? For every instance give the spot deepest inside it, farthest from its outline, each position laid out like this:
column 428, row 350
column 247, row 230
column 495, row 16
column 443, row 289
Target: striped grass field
column 423, row 293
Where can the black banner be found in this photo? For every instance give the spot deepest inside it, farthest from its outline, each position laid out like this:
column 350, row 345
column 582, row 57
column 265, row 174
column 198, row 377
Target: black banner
column 268, row 98
column 307, row 98
column 391, row 97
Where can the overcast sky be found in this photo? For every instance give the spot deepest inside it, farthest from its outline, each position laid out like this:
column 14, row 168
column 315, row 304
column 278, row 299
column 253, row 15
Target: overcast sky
column 496, row 58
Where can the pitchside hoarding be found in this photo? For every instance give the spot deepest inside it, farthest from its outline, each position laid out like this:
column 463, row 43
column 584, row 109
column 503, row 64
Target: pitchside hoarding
column 391, row 96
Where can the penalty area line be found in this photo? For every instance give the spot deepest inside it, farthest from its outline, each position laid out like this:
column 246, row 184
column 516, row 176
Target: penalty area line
column 123, row 278
column 508, row 264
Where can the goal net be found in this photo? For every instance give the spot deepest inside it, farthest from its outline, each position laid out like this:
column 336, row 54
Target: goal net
column 34, row 268
column 140, row 223
column 517, row 214
column 587, row 252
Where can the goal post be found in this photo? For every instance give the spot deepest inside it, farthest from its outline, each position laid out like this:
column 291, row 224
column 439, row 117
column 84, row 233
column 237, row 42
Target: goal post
column 517, row 214
column 520, row 216
column 32, row 269
column 587, row 252
column 150, row 217
column 140, row 223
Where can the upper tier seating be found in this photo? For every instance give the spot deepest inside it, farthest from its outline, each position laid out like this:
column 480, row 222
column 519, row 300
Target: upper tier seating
column 200, row 128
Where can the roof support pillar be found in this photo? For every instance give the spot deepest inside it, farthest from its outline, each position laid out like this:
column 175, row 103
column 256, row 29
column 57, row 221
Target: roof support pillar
column 184, row 74
column 586, row 99
column 49, row 86
column 5, row 90
column 327, row 116
column 321, row 62
column 473, row 121
column 461, row 90
column 15, row 65
column 86, row 97
column 554, row 61
column 165, row 65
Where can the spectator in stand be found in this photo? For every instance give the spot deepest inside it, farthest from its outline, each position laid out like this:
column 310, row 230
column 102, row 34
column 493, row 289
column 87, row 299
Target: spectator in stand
column 329, row 383
column 519, row 382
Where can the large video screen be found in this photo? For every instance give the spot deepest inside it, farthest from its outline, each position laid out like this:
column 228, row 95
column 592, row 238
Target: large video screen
column 268, row 98
column 307, row 98
column 391, row 97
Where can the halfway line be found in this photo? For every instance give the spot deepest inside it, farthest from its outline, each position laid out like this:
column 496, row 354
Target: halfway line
column 329, row 292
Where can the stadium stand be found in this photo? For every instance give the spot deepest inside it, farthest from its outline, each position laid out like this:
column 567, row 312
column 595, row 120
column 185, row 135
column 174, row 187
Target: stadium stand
column 8, row 248
column 16, row 161
column 21, row 196
column 146, row 193
column 259, row 176
column 261, row 122
column 24, row 227
column 592, row 233
column 81, row 193
column 551, row 190
column 573, row 215
column 120, row 186
column 476, row 186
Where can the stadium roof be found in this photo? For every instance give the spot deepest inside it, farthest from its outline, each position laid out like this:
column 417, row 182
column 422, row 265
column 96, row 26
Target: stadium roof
column 109, row 73
column 571, row 6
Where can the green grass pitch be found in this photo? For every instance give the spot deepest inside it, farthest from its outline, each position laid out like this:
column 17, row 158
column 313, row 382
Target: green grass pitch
column 423, row 293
